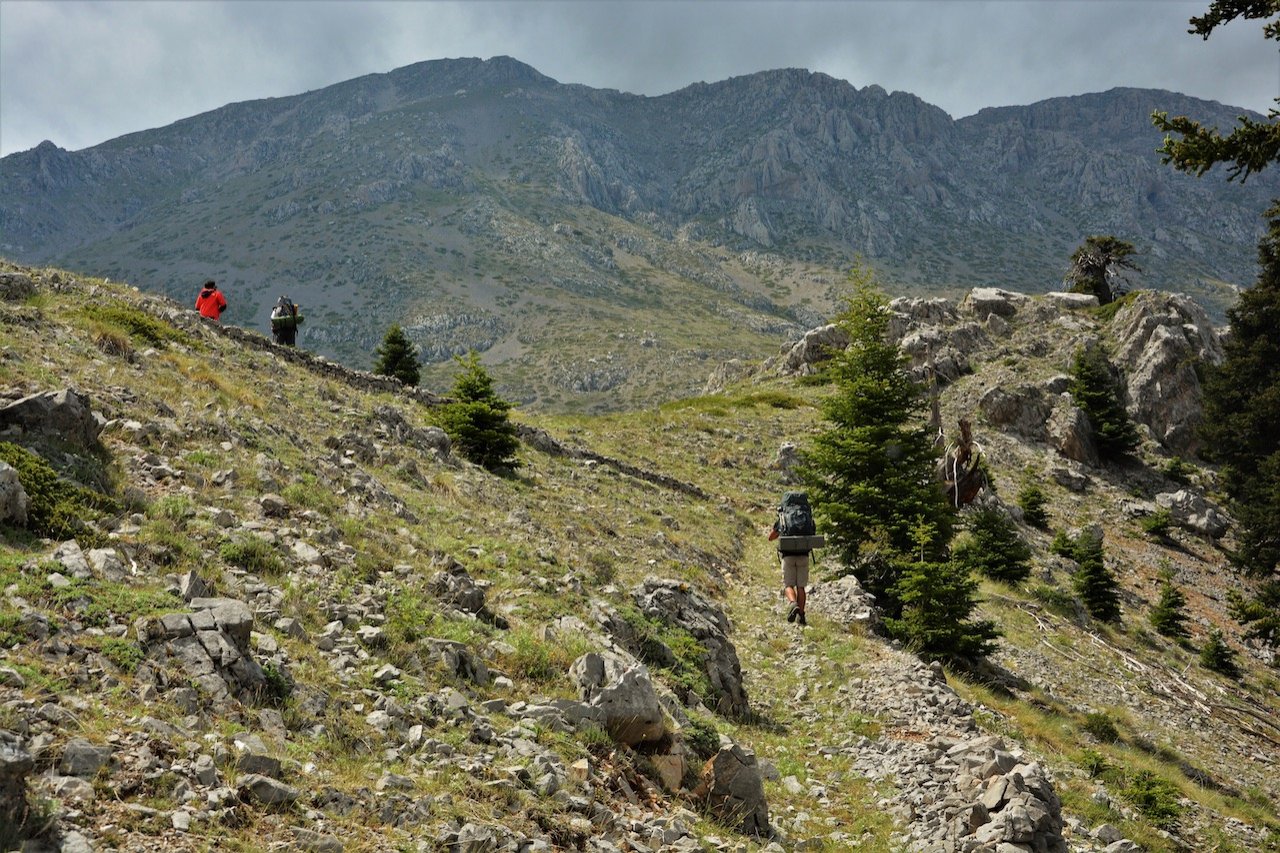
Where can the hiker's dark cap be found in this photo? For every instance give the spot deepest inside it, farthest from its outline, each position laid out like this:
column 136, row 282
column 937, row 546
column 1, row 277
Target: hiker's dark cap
column 210, row 283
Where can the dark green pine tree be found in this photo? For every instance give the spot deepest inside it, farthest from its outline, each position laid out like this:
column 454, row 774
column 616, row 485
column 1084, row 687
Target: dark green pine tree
column 1218, row 656
column 1094, row 583
column 1096, row 390
column 1167, row 617
column 937, row 600
column 993, row 547
column 870, row 472
column 477, row 419
column 396, row 357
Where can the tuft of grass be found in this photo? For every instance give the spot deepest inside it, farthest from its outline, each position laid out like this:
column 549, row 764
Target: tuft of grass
column 1101, row 727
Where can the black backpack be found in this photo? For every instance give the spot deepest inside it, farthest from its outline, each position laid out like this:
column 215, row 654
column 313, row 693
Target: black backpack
column 795, row 518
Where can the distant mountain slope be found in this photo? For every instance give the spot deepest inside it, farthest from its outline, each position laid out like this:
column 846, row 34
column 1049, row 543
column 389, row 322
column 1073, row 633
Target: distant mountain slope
column 602, row 247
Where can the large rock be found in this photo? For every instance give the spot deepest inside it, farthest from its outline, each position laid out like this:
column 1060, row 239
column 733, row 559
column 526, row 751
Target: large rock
column 1161, row 337
column 63, row 415
column 13, row 498
column 1070, row 432
column 984, row 301
column 816, row 346
column 733, row 790
column 677, row 604
column 16, row 764
column 15, row 286
column 1193, row 512
column 624, row 697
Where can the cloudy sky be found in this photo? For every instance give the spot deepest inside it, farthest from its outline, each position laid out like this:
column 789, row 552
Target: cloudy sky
column 79, row 73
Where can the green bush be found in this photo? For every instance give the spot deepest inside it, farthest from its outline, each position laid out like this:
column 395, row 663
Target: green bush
column 1157, row 524
column 1094, row 763
column 56, row 508
column 1101, row 727
column 938, row 600
column 253, row 554
column 397, row 357
column 1093, row 581
column 1096, row 390
column 138, row 324
column 125, row 654
column 701, row 737
column 1155, row 797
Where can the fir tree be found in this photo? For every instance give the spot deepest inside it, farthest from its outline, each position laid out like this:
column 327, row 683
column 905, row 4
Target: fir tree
column 1218, row 656
column 993, row 547
column 1167, row 617
column 937, row 600
column 396, row 357
column 1096, row 390
column 476, row 420
column 1094, row 583
column 870, row 472
column 1242, row 413
column 1032, row 502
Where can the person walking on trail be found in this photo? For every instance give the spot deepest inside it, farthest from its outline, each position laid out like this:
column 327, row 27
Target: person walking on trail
column 285, row 319
column 796, row 532
column 211, row 303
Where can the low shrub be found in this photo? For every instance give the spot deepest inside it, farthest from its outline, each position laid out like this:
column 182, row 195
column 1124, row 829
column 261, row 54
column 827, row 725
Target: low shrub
column 56, row 509
column 1101, row 727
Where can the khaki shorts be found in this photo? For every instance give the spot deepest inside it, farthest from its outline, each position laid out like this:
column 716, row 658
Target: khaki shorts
column 795, row 570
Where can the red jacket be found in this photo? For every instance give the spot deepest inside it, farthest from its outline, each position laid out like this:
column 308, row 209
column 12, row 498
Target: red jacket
column 211, row 303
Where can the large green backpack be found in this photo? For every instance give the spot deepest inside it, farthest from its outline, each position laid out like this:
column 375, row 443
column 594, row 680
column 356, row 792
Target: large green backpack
column 795, row 518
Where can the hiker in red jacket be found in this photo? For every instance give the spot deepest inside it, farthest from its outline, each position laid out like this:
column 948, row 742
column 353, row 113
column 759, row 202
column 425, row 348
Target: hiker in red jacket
column 211, row 303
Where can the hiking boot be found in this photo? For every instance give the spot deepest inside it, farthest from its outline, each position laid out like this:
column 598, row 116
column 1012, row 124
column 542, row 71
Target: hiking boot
column 800, row 618
column 793, row 613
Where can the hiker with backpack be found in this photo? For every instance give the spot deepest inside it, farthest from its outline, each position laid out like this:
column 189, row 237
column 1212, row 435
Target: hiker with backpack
column 285, row 319
column 796, row 533
column 210, row 302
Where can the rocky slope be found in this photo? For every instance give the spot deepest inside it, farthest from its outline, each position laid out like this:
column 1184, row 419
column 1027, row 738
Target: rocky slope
column 294, row 619
column 604, row 248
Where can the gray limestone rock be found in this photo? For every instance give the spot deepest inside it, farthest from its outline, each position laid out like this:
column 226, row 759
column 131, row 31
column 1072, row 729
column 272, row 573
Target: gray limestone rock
column 732, row 788
column 13, row 498
column 64, row 415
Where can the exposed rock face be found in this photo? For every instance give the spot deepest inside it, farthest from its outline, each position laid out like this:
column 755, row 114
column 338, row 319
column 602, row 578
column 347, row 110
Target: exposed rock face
column 677, row 604
column 1160, row 338
column 1070, row 432
column 845, row 601
column 13, row 498
column 731, row 786
column 1022, row 409
column 61, row 415
column 816, row 346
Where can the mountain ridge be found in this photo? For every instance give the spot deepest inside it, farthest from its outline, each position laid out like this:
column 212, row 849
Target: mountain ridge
column 481, row 189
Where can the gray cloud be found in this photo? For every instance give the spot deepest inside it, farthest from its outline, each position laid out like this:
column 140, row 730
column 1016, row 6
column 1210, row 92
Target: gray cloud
column 80, row 73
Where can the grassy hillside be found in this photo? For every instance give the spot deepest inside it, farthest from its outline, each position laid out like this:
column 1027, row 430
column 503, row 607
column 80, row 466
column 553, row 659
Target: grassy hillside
column 312, row 494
